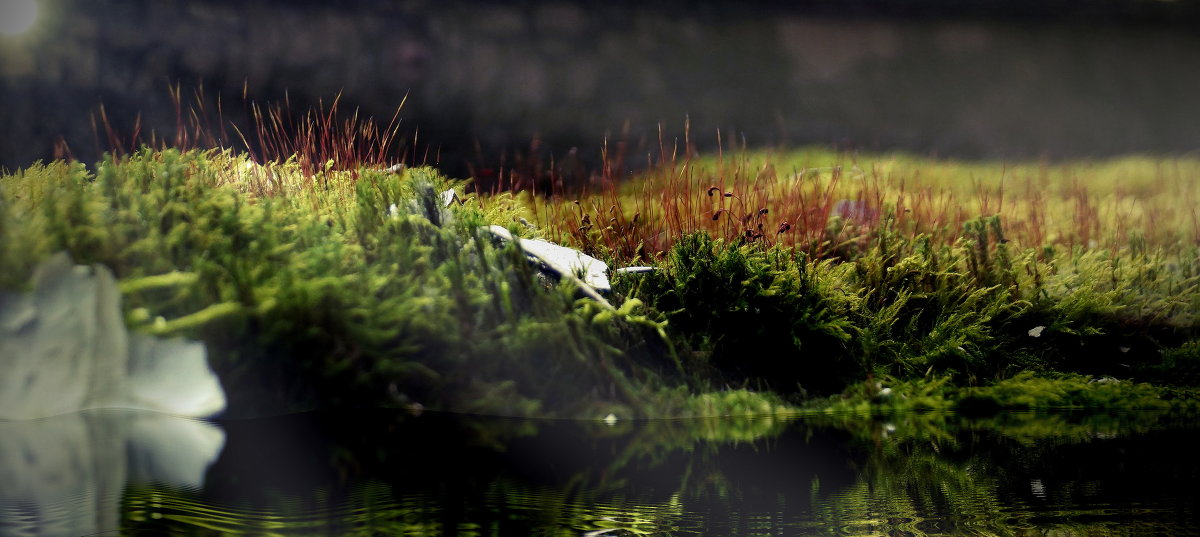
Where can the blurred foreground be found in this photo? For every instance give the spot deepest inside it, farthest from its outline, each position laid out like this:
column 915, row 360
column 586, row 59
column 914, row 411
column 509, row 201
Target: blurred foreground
column 489, row 83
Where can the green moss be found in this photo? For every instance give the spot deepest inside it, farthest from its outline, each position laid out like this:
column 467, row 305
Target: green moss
column 332, row 293
column 1028, row 391
column 750, row 314
column 974, row 310
column 1025, row 391
column 360, row 288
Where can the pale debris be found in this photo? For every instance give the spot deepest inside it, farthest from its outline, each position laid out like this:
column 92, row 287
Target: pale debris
column 563, row 260
column 448, row 199
column 635, row 270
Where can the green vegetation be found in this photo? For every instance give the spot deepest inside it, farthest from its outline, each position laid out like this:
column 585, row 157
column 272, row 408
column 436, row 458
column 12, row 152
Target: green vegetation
column 831, row 202
column 311, row 291
column 1025, row 391
column 911, row 309
column 987, row 280
column 886, row 284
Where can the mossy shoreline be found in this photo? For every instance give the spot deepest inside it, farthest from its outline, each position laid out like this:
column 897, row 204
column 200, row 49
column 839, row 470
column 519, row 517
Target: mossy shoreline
column 360, row 289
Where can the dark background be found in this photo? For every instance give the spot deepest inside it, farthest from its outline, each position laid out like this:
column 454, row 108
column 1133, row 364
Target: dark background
column 1001, row 79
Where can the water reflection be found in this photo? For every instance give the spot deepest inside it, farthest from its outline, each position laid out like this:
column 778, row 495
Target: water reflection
column 386, row 473
column 65, row 475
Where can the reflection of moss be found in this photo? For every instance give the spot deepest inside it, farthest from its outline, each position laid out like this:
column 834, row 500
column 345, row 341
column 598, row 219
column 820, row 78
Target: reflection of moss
column 380, row 509
column 974, row 475
column 911, row 474
column 631, row 478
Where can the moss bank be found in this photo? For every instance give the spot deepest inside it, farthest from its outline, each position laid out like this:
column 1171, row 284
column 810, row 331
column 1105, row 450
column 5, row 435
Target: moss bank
column 346, row 289
column 360, row 288
column 807, row 272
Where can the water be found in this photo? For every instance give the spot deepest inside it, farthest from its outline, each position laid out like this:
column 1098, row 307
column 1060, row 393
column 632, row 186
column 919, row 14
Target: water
column 387, row 473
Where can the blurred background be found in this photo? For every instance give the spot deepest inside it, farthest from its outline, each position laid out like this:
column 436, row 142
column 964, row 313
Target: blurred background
column 489, row 80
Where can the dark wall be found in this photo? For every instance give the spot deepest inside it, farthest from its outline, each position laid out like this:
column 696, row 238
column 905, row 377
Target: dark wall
column 979, row 80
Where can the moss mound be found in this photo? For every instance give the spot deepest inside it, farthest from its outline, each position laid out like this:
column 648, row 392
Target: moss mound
column 348, row 289
column 363, row 288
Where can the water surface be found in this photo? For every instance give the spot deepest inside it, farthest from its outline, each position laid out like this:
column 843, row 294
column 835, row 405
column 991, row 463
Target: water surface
column 390, row 473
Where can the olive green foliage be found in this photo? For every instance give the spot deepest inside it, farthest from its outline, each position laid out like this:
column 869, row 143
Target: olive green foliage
column 1025, row 391
column 932, row 308
column 974, row 310
column 824, row 202
column 751, row 313
column 361, row 287
column 980, row 310
column 825, row 268
column 1180, row 366
column 354, row 289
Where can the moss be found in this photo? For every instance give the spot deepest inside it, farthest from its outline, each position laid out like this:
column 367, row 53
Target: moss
column 1025, row 391
column 974, row 310
column 330, row 292
column 751, row 314
column 1028, row 391
column 361, row 288
column 1086, row 267
column 1177, row 366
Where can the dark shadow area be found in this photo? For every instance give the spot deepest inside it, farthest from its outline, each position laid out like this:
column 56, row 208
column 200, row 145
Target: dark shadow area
column 493, row 85
column 386, row 472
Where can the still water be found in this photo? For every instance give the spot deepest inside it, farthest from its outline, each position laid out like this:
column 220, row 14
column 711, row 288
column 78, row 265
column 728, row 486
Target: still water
column 389, row 473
